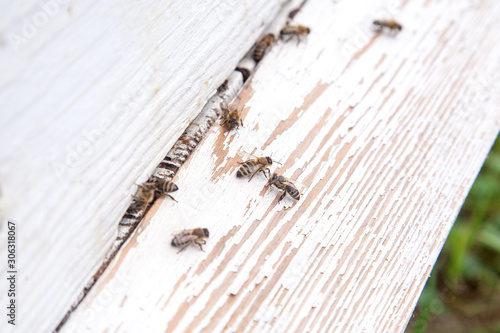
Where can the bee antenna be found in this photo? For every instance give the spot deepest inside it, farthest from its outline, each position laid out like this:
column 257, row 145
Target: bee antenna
column 275, row 161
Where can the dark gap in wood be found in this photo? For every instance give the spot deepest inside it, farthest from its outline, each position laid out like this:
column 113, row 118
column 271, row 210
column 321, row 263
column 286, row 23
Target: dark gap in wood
column 172, row 162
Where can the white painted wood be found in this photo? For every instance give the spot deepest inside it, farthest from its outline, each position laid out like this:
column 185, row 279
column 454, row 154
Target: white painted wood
column 93, row 96
column 387, row 135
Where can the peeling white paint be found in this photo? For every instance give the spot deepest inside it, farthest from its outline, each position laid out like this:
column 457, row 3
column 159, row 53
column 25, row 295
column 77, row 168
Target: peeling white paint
column 381, row 187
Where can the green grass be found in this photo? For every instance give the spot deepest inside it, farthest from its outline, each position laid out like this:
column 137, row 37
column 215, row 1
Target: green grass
column 463, row 292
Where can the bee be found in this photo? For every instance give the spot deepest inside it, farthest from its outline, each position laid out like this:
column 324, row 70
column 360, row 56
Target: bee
column 298, row 31
column 142, row 198
column 255, row 165
column 284, row 184
column 162, row 186
column 390, row 25
column 262, row 46
column 230, row 116
column 186, row 237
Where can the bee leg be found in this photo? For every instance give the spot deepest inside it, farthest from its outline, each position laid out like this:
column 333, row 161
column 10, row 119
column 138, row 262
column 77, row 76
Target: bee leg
column 171, row 197
column 200, row 243
column 183, row 248
column 268, row 175
column 261, row 170
column 282, row 196
column 149, row 185
column 253, row 174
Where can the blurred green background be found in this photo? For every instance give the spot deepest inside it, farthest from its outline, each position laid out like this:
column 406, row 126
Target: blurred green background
column 463, row 292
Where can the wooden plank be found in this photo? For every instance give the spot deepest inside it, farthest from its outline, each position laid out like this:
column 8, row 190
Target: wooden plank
column 386, row 133
column 93, row 96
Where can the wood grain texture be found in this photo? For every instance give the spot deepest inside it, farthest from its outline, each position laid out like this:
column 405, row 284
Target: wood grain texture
column 386, row 134
column 93, row 96
column 166, row 170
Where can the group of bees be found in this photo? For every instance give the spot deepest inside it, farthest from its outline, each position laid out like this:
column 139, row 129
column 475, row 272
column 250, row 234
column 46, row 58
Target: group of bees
column 231, row 119
column 261, row 164
column 147, row 191
column 290, row 31
column 198, row 236
column 299, row 31
column 145, row 196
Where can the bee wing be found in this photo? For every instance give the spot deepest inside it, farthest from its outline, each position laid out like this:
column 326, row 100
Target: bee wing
column 224, row 109
column 236, row 106
column 228, row 109
column 178, row 232
column 191, row 237
column 298, row 185
column 245, row 156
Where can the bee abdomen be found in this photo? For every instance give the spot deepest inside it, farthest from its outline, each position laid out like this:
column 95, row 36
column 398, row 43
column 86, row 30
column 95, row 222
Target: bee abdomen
column 245, row 169
column 167, row 187
column 179, row 241
column 259, row 53
column 294, row 193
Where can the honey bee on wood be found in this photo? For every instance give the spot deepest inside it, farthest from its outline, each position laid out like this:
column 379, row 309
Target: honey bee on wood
column 255, row 165
column 142, row 199
column 291, row 31
column 390, row 25
column 230, row 116
column 284, row 184
column 162, row 186
column 262, row 46
column 191, row 236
